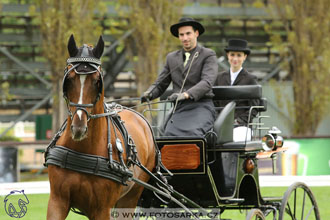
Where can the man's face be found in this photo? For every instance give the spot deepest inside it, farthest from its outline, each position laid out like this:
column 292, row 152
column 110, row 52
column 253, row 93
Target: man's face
column 188, row 37
column 236, row 59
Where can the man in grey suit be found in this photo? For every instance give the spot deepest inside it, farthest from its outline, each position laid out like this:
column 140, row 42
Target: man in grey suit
column 192, row 70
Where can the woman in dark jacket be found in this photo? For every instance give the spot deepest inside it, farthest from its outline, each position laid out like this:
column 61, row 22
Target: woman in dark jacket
column 237, row 52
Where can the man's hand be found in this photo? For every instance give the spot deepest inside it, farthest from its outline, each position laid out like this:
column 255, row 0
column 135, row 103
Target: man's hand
column 146, row 96
column 178, row 96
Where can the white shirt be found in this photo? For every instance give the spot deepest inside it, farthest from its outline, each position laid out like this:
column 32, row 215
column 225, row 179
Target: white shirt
column 233, row 75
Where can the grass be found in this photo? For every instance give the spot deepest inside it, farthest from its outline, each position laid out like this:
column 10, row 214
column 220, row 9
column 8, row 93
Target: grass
column 321, row 194
column 37, row 208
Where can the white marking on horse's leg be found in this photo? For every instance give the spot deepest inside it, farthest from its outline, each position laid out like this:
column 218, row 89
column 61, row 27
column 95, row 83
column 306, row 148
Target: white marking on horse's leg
column 82, row 83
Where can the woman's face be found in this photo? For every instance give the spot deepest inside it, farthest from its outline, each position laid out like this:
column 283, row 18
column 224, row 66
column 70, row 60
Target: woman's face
column 236, row 59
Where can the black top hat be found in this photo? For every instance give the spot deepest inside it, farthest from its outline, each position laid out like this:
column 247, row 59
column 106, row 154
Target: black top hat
column 187, row 22
column 238, row 45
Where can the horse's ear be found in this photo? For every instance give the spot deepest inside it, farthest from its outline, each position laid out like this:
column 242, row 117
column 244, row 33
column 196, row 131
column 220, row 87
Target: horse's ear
column 72, row 47
column 98, row 50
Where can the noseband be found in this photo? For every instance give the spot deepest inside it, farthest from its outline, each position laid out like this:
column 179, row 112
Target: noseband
column 72, row 64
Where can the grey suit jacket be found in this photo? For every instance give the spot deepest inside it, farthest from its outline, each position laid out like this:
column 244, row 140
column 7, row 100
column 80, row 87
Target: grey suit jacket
column 243, row 78
column 199, row 82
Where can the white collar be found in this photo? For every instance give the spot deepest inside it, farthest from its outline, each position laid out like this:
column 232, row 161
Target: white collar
column 233, row 75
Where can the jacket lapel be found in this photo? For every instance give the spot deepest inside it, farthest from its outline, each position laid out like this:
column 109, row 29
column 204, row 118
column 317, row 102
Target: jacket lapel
column 180, row 60
column 240, row 76
column 227, row 78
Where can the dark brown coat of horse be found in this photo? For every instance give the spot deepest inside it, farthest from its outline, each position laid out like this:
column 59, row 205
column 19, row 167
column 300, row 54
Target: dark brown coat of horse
column 95, row 196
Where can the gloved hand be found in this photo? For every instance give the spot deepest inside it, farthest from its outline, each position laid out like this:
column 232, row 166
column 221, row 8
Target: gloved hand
column 176, row 96
column 146, row 96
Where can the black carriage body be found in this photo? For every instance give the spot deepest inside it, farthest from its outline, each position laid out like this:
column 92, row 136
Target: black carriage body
column 223, row 174
column 221, row 178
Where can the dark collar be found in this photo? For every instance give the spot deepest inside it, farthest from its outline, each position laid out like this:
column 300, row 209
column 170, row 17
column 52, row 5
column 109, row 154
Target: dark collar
column 190, row 51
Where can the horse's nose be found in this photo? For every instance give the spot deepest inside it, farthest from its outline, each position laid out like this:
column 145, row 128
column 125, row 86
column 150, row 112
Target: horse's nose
column 78, row 132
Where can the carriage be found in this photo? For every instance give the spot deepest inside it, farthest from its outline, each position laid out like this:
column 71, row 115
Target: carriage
column 108, row 156
column 222, row 173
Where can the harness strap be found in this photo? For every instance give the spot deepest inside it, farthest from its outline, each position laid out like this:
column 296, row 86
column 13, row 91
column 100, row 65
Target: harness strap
column 170, row 197
column 87, row 163
column 159, row 163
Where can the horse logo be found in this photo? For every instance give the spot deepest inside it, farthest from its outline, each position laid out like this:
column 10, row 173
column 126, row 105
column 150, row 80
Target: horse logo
column 14, row 200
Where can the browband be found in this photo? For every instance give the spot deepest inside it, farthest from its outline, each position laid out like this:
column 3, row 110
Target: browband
column 84, row 60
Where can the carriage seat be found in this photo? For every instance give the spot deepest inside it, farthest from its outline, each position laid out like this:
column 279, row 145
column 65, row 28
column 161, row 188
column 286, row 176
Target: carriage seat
column 224, row 124
column 223, row 127
column 263, row 103
column 237, row 92
column 240, row 93
column 241, row 146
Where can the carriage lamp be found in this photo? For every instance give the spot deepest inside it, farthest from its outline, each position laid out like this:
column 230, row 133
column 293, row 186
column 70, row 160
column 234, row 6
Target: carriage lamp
column 268, row 142
column 279, row 141
column 248, row 165
column 272, row 140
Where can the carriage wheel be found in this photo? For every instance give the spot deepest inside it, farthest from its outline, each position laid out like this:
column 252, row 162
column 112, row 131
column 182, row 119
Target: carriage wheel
column 255, row 214
column 299, row 203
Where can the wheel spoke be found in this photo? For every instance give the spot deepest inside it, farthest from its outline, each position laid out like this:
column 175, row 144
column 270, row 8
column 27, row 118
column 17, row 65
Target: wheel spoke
column 295, row 203
column 309, row 213
column 303, row 206
column 299, row 205
column 288, row 210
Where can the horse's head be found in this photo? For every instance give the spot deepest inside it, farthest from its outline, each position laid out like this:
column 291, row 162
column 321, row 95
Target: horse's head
column 82, row 84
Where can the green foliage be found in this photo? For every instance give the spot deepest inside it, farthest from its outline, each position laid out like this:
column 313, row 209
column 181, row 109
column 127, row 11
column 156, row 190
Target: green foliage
column 9, row 136
column 58, row 20
column 61, row 18
column 151, row 39
column 306, row 53
column 4, row 91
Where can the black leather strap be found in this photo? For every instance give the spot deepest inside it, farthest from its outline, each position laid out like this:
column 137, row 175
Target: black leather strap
column 87, row 163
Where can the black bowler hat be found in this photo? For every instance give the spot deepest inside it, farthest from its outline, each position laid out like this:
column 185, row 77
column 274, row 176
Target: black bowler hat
column 238, row 45
column 187, row 22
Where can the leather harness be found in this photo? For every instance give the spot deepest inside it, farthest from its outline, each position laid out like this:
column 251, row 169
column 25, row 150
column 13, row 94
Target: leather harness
column 92, row 164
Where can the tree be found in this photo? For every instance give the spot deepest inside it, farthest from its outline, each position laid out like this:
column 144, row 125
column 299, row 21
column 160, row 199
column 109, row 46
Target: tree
column 307, row 26
column 58, row 20
column 4, row 91
column 151, row 39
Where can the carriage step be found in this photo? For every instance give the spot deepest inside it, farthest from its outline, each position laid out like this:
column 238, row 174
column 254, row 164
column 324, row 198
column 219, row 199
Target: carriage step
column 230, row 201
column 272, row 199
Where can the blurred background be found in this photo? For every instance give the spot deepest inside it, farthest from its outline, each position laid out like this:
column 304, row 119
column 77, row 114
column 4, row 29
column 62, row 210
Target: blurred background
column 290, row 43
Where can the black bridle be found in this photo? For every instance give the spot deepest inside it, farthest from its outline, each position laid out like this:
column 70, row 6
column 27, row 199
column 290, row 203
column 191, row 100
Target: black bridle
column 72, row 64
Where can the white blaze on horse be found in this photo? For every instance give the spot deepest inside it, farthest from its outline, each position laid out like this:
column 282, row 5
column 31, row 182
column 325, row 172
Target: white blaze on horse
column 92, row 158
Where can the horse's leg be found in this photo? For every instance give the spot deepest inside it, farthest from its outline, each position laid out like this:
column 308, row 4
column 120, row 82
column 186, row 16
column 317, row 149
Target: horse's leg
column 127, row 204
column 103, row 213
column 58, row 204
column 58, row 209
column 103, row 201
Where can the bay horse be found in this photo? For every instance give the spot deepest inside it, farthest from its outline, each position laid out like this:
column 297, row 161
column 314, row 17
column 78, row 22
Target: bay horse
column 88, row 131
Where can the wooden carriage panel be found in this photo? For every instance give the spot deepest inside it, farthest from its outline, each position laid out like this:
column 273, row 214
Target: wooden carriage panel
column 181, row 156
